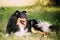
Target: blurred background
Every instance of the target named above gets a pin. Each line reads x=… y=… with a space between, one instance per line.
x=45 y=10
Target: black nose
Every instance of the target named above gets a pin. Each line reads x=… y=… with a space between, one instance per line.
x=54 y=27
x=51 y=28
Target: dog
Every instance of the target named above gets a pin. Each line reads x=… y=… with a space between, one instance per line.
x=17 y=24
x=35 y=25
x=42 y=26
x=20 y=25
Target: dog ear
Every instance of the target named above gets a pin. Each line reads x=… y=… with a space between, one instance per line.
x=24 y=12
x=17 y=12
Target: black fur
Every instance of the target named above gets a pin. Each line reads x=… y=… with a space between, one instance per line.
x=11 y=26
x=54 y=28
x=32 y=23
x=28 y=25
x=23 y=14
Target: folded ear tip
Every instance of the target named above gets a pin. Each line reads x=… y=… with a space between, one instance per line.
x=24 y=11
x=17 y=11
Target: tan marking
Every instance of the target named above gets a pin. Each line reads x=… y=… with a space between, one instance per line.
x=34 y=31
x=43 y=33
x=21 y=21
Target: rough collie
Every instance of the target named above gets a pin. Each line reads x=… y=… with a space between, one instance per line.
x=17 y=24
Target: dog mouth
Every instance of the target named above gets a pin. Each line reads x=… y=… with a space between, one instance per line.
x=21 y=22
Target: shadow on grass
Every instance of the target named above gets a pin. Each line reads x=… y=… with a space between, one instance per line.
x=2 y=9
x=57 y=17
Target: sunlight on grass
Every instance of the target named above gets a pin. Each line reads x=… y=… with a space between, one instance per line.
x=27 y=37
x=44 y=2
x=37 y=12
x=44 y=13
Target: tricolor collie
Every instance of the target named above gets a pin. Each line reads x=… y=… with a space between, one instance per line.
x=43 y=26
x=17 y=24
x=20 y=25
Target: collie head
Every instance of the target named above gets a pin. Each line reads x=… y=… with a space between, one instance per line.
x=22 y=18
x=23 y=14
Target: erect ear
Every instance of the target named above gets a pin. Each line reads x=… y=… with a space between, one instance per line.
x=24 y=12
x=17 y=12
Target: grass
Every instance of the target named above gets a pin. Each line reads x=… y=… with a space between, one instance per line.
x=50 y=14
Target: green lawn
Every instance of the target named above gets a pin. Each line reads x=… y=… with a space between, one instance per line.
x=50 y=14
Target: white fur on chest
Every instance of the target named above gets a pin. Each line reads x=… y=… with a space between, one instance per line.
x=22 y=31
